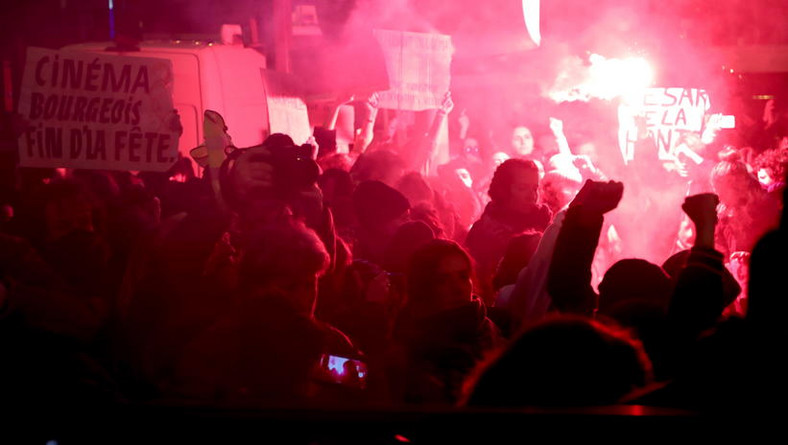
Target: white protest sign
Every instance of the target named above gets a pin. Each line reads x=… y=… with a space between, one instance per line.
x=419 y=68
x=96 y=111
x=668 y=112
x=287 y=111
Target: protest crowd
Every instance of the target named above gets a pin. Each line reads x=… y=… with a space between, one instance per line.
x=429 y=261
x=300 y=275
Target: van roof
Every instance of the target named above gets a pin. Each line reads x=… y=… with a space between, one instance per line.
x=174 y=44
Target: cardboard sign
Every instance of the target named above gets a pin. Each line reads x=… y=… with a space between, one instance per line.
x=96 y=111
x=668 y=113
x=287 y=111
x=419 y=68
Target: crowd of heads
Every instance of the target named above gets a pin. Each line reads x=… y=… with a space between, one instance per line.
x=148 y=286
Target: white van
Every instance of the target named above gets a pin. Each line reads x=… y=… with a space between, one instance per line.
x=208 y=76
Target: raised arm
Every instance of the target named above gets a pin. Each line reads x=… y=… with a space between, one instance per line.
x=698 y=299
x=364 y=137
x=331 y=121
x=557 y=127
x=569 y=278
x=432 y=136
x=431 y=139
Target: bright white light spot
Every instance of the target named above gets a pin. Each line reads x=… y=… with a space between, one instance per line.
x=609 y=78
x=601 y=78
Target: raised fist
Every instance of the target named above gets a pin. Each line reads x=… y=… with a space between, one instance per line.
x=702 y=209
x=373 y=102
x=600 y=197
x=447 y=105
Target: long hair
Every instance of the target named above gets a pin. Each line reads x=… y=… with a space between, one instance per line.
x=424 y=263
x=501 y=184
x=732 y=181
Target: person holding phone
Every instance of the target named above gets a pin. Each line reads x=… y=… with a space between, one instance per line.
x=265 y=348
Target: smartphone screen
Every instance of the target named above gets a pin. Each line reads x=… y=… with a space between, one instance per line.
x=342 y=370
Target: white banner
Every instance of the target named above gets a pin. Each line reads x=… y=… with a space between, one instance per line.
x=668 y=112
x=96 y=111
x=419 y=68
x=287 y=111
